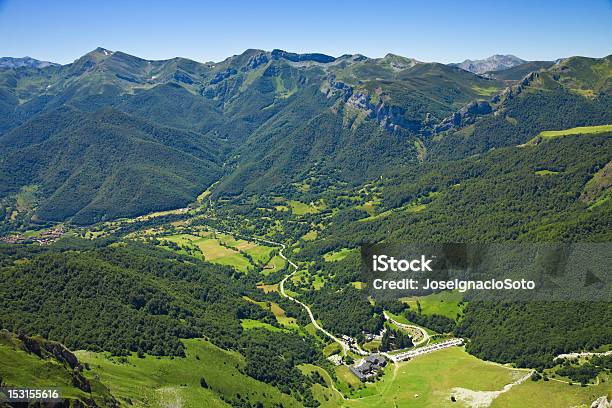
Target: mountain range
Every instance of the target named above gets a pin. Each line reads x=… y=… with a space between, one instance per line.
x=113 y=135
x=29 y=62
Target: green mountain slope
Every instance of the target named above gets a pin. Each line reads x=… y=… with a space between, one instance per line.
x=105 y=164
x=33 y=360
x=272 y=118
x=517 y=73
x=574 y=92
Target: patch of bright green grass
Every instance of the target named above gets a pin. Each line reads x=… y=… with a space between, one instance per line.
x=256 y=324
x=324 y=394
x=581 y=130
x=164 y=382
x=369 y=206
x=428 y=380
x=485 y=91
x=372 y=346
x=310 y=235
x=318 y=282
x=358 y=285
x=331 y=348
x=546 y=172
x=275 y=264
x=338 y=255
x=550 y=394
x=445 y=303
x=21 y=369
x=300 y=208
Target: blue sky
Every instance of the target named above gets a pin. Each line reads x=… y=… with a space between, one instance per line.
x=444 y=31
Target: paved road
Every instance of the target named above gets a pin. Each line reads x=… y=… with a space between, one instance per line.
x=344 y=345
x=425 y=338
x=572 y=356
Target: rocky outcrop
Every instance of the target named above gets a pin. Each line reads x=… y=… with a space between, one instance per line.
x=79 y=380
x=46 y=349
x=332 y=88
x=515 y=90
x=256 y=60
x=220 y=76
x=389 y=117
x=49 y=349
x=465 y=116
x=290 y=56
x=602 y=402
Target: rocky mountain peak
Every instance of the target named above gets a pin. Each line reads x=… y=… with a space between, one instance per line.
x=495 y=62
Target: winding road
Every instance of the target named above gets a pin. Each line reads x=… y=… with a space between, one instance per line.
x=424 y=333
x=344 y=345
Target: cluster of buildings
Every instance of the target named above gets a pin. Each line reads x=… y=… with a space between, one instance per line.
x=44 y=238
x=427 y=349
x=367 y=368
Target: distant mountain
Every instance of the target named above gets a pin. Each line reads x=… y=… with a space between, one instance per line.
x=493 y=63
x=10 y=62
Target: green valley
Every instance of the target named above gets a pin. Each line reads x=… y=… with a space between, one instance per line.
x=184 y=234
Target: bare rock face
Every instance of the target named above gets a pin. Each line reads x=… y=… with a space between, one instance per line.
x=493 y=63
x=515 y=90
x=388 y=116
x=46 y=349
x=602 y=402
x=465 y=116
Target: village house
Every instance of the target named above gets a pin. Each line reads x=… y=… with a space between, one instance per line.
x=369 y=367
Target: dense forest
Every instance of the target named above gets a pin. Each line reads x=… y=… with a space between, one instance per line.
x=531 y=334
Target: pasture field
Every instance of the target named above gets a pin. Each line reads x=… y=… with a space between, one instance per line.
x=248 y=324
x=165 y=381
x=546 y=172
x=275 y=264
x=210 y=246
x=310 y=235
x=429 y=380
x=338 y=255
x=300 y=208
x=445 y=303
x=550 y=394
x=580 y=130
x=326 y=395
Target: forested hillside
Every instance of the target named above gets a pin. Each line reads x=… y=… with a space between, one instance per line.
x=273 y=118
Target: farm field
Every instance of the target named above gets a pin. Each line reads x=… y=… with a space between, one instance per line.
x=300 y=208
x=581 y=130
x=225 y=250
x=551 y=394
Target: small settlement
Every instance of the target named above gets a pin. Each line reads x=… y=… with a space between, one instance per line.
x=367 y=368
